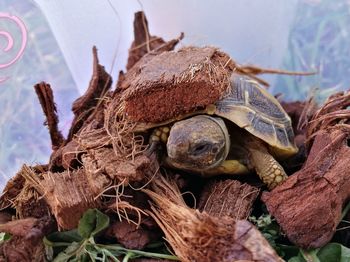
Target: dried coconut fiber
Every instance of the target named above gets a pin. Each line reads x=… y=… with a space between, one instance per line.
x=197 y=236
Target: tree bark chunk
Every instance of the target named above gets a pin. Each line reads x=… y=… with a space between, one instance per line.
x=68 y=195
x=193 y=77
x=143 y=42
x=26 y=242
x=308 y=205
x=130 y=235
x=46 y=99
x=228 y=198
x=85 y=105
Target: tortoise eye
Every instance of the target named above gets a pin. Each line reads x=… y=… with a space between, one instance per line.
x=215 y=149
x=201 y=148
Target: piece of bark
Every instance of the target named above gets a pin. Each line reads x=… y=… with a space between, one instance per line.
x=5 y=217
x=70 y=155
x=174 y=83
x=29 y=203
x=16 y=184
x=103 y=164
x=12 y=189
x=19 y=227
x=300 y=113
x=66 y=157
x=68 y=195
x=197 y=236
x=295 y=110
x=46 y=99
x=228 y=198
x=143 y=42
x=21 y=196
x=144 y=45
x=26 y=242
x=308 y=204
x=130 y=235
x=85 y=105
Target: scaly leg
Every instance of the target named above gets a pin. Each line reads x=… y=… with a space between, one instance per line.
x=266 y=166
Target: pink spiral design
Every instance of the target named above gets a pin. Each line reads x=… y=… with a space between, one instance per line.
x=10 y=41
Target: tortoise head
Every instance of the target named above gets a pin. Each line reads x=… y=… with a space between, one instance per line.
x=198 y=143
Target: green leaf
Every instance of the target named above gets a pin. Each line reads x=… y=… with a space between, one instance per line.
x=68 y=253
x=65 y=236
x=310 y=255
x=334 y=252
x=298 y=258
x=4 y=237
x=92 y=222
x=49 y=253
x=102 y=222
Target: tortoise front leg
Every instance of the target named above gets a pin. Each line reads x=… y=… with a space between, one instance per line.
x=265 y=165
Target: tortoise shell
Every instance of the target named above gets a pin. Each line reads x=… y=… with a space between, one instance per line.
x=251 y=107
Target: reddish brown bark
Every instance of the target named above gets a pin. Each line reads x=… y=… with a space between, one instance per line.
x=308 y=204
x=22 y=197
x=46 y=99
x=87 y=104
x=130 y=235
x=143 y=42
x=174 y=83
x=26 y=241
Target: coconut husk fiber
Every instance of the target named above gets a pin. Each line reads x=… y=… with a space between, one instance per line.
x=228 y=197
x=198 y=236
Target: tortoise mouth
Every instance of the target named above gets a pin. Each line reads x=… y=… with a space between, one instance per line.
x=198 y=144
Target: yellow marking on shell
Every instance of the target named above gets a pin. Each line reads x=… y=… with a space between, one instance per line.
x=158 y=132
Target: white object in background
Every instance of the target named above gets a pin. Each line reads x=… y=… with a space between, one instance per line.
x=252 y=31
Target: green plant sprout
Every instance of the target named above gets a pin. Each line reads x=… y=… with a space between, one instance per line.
x=81 y=245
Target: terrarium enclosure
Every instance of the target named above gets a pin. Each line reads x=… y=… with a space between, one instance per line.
x=174 y=130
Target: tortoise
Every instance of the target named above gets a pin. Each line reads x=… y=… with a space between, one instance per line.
x=245 y=130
